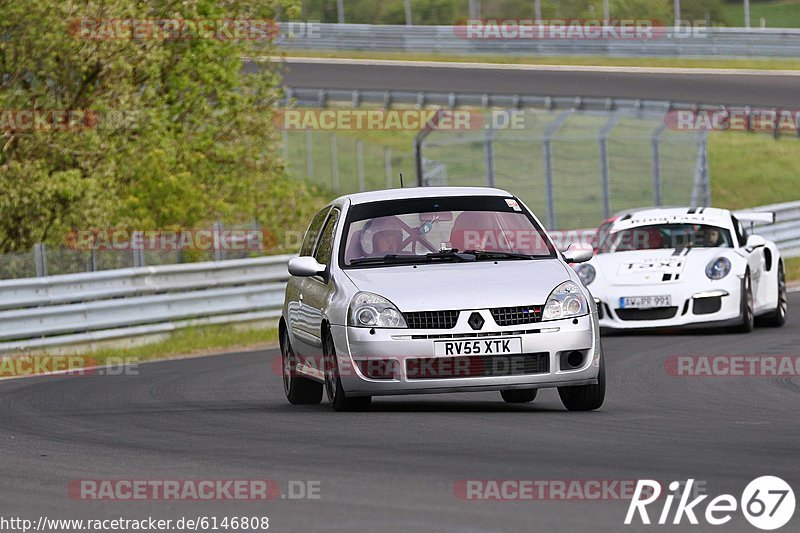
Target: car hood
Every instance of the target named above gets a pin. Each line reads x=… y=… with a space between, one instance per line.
x=647 y=267
x=479 y=285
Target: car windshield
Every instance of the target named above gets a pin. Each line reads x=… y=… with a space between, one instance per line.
x=441 y=230
x=665 y=236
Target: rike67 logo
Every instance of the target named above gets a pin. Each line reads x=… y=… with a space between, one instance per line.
x=767 y=502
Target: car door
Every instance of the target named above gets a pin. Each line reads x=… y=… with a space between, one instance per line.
x=755 y=260
x=298 y=316
x=317 y=289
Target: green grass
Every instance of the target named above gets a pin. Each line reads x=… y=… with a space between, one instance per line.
x=792 y=269
x=199 y=340
x=666 y=62
x=750 y=169
x=778 y=14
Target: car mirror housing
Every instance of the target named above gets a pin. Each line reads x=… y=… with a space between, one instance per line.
x=576 y=253
x=305 y=267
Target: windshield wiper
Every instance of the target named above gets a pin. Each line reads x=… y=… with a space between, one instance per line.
x=403 y=259
x=482 y=254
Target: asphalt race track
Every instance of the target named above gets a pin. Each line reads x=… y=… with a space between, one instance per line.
x=394 y=468
x=703 y=87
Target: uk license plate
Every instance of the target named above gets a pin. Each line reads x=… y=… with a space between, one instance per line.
x=644 y=302
x=455 y=348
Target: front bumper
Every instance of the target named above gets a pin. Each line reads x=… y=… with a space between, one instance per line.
x=550 y=341
x=718 y=305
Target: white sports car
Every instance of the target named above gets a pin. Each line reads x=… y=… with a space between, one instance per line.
x=681 y=267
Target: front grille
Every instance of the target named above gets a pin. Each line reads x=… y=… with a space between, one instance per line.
x=657 y=313
x=432 y=319
x=478 y=366
x=513 y=316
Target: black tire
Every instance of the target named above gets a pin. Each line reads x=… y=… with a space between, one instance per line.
x=299 y=390
x=586 y=397
x=777 y=318
x=746 y=315
x=519 y=395
x=337 y=397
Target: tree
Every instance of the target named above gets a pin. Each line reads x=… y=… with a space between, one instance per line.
x=167 y=133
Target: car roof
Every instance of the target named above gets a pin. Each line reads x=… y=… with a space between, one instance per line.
x=675 y=215
x=421 y=192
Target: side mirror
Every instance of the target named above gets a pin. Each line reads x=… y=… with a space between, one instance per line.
x=305 y=267
x=755 y=241
x=577 y=253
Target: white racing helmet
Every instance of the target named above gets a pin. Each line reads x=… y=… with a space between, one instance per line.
x=377 y=226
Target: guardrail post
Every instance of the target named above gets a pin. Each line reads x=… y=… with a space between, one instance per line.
x=40 y=258
x=387 y=157
x=137 y=246
x=362 y=186
x=658 y=187
x=219 y=248
x=335 y=162
x=309 y=155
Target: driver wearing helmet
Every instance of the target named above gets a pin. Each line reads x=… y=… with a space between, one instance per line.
x=382 y=236
x=713 y=238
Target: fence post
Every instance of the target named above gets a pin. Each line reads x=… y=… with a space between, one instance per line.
x=309 y=155
x=219 y=248
x=335 y=162
x=362 y=186
x=658 y=187
x=40 y=258
x=604 y=173
x=549 y=132
x=387 y=157
x=489 y=152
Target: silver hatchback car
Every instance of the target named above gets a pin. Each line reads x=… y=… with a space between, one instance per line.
x=431 y=290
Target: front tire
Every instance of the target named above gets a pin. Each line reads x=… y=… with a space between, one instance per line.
x=586 y=397
x=777 y=318
x=337 y=397
x=519 y=395
x=299 y=390
x=746 y=307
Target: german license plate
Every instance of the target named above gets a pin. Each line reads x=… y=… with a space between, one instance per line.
x=510 y=345
x=644 y=302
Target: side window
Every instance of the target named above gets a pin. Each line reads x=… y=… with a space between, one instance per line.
x=313 y=232
x=325 y=246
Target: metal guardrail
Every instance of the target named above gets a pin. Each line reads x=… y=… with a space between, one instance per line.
x=81 y=308
x=785 y=232
x=666 y=42
x=40 y=313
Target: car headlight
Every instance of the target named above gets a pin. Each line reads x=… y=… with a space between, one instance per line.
x=368 y=310
x=587 y=273
x=566 y=301
x=718 y=268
